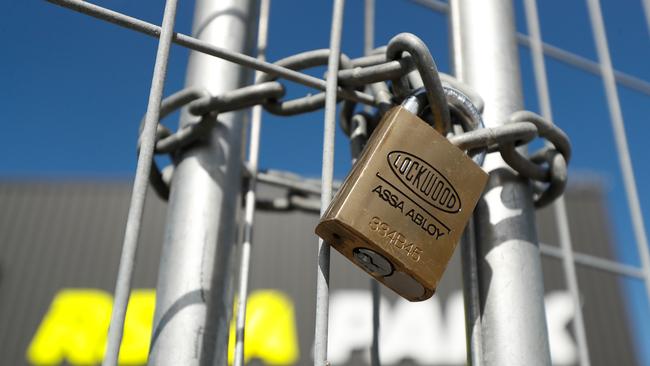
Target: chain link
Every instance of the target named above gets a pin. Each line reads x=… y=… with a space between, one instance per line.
x=389 y=74
x=302 y=61
x=407 y=42
x=174 y=102
x=527 y=167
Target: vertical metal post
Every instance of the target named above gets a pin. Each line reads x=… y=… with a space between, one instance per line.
x=512 y=319
x=323 y=272
x=468 y=251
x=249 y=213
x=622 y=149
x=471 y=295
x=559 y=207
x=141 y=181
x=368 y=26
x=195 y=291
x=368 y=46
x=646 y=10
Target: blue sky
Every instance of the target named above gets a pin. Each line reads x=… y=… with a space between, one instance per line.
x=74 y=90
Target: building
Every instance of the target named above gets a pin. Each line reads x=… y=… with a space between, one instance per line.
x=60 y=244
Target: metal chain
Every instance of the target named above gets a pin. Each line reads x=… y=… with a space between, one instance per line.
x=372 y=71
x=390 y=73
x=302 y=61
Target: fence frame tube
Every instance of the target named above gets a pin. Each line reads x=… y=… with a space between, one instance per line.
x=512 y=319
x=194 y=296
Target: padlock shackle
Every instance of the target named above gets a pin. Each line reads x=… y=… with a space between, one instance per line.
x=417 y=102
x=468 y=117
x=463 y=111
x=408 y=42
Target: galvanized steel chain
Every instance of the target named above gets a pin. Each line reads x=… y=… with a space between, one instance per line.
x=389 y=74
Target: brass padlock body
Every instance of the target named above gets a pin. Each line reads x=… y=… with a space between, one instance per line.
x=408 y=198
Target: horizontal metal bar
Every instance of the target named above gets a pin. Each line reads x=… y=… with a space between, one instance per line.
x=296 y=182
x=292 y=181
x=435 y=5
x=586 y=64
x=591 y=261
x=209 y=49
x=560 y=54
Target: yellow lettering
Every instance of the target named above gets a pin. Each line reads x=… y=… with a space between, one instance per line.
x=270 y=329
x=75 y=327
x=137 y=328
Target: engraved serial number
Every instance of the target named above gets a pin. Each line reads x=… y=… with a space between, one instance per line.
x=395 y=238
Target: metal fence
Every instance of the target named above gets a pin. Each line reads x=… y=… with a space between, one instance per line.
x=473 y=23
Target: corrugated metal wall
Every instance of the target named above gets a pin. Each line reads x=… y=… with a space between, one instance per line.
x=606 y=322
x=56 y=235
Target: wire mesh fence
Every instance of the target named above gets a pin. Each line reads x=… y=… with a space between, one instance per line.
x=334 y=87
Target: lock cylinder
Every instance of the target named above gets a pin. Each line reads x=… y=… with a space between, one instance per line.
x=402 y=209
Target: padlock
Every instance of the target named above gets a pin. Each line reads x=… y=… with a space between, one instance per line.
x=402 y=209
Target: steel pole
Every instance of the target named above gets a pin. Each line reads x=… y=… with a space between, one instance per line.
x=511 y=322
x=195 y=291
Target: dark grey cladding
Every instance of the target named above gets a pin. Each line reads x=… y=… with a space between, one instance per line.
x=56 y=235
